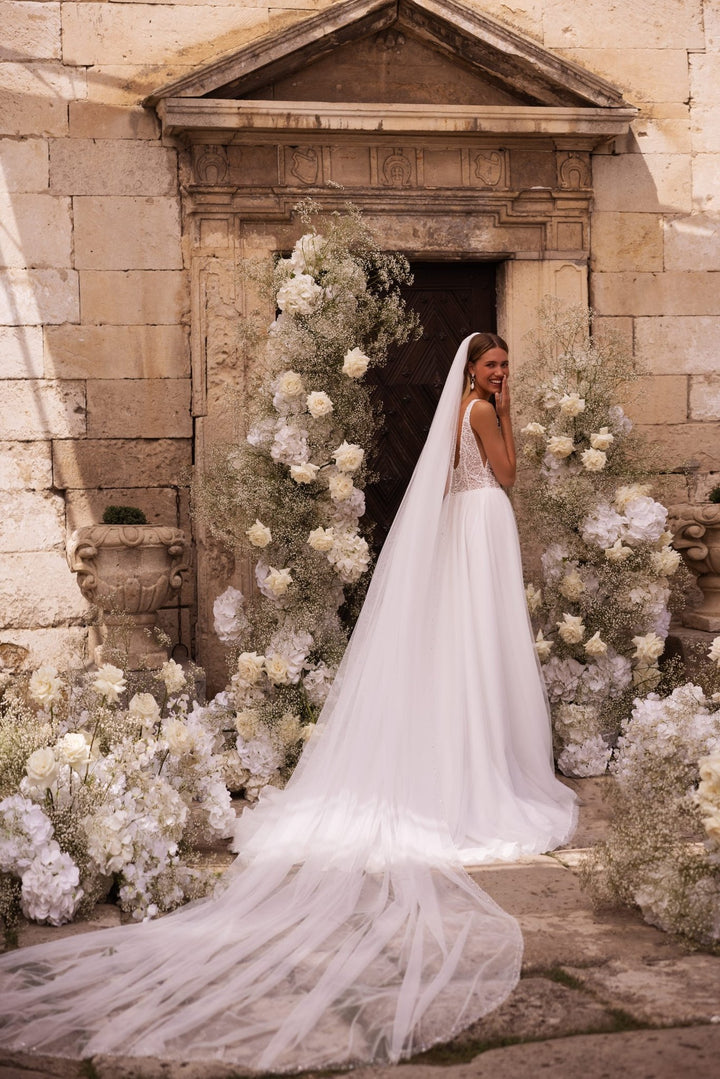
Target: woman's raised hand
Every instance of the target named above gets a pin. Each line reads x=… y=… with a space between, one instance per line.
x=502 y=400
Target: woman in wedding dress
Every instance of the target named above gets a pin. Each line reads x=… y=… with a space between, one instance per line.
x=347 y=930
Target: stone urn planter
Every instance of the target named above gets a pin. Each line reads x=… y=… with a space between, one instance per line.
x=697 y=537
x=128 y=572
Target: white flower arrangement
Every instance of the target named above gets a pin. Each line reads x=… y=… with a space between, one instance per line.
x=291 y=496
x=603 y=613
x=94 y=793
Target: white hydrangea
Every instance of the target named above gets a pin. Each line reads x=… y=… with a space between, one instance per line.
x=644 y=520
x=290 y=445
x=307 y=253
x=349 y=555
x=24 y=829
x=589 y=758
x=50 y=890
x=317 y=682
x=230 y=620
x=602 y=526
x=299 y=295
x=562 y=677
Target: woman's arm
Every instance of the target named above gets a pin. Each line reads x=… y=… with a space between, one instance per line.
x=493 y=427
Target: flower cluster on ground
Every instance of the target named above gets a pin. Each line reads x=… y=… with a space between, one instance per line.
x=662 y=852
x=99 y=796
x=289 y=495
x=600 y=611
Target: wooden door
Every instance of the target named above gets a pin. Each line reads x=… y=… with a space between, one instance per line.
x=452 y=300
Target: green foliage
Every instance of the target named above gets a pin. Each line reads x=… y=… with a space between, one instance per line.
x=124 y=515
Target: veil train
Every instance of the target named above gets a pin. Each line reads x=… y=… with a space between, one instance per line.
x=347 y=930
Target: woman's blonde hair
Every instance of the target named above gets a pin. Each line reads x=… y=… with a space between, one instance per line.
x=481 y=343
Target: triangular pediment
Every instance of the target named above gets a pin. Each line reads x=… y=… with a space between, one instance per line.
x=399 y=52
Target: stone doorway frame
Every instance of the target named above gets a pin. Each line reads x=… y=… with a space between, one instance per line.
x=507 y=183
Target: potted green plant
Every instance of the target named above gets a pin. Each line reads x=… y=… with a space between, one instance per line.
x=128 y=569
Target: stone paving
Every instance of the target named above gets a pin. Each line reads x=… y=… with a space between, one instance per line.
x=602 y=994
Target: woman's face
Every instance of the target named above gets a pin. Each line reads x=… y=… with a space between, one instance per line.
x=489 y=370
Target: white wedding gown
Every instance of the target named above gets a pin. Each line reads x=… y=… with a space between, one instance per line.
x=348 y=930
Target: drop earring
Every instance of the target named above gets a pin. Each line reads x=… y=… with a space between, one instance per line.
x=472 y=381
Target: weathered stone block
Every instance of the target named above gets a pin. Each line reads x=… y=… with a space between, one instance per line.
x=93 y=119
x=31 y=30
x=35 y=409
x=120 y=463
x=21 y=352
x=144 y=297
x=595 y=22
x=642 y=184
x=142 y=33
x=685 y=445
x=117 y=233
x=147 y=408
x=32 y=521
x=705 y=78
x=30 y=297
x=159 y=504
x=692 y=242
x=106 y=166
x=705 y=398
x=678 y=344
x=33 y=98
x=657 y=399
x=116 y=352
x=705 y=122
x=672 y=293
x=705 y=187
x=25 y=466
x=626 y=242
x=656 y=136
x=25 y=165
x=27 y=649
x=37 y=589
x=644 y=75
x=37 y=230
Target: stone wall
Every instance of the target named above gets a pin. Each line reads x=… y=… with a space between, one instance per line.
x=94 y=291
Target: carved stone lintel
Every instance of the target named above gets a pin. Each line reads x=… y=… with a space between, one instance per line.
x=697 y=537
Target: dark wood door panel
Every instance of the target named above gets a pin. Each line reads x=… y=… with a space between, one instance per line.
x=452 y=300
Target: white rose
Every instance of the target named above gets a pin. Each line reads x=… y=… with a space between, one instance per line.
x=246 y=723
x=304 y=473
x=348 y=456
x=534 y=597
x=144 y=708
x=595 y=645
x=602 y=439
x=571 y=404
x=278 y=581
x=572 y=585
x=45 y=686
x=318 y=404
x=109 y=682
x=571 y=628
x=259 y=534
x=41 y=767
x=250 y=666
x=277 y=668
x=543 y=647
x=289 y=384
x=714 y=651
x=665 y=562
x=593 y=460
x=178 y=737
x=536 y=430
x=321 y=539
x=627 y=493
x=560 y=445
x=355 y=363
x=617 y=553
x=172 y=674
x=648 y=648
x=73 y=749
x=341 y=486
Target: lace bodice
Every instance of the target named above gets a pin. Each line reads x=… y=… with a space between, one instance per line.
x=470 y=474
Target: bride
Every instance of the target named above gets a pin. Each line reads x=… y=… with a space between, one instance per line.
x=347 y=929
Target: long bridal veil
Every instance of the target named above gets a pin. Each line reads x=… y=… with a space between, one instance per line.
x=346 y=931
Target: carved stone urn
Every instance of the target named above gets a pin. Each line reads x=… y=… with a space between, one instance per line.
x=128 y=572
x=697 y=537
